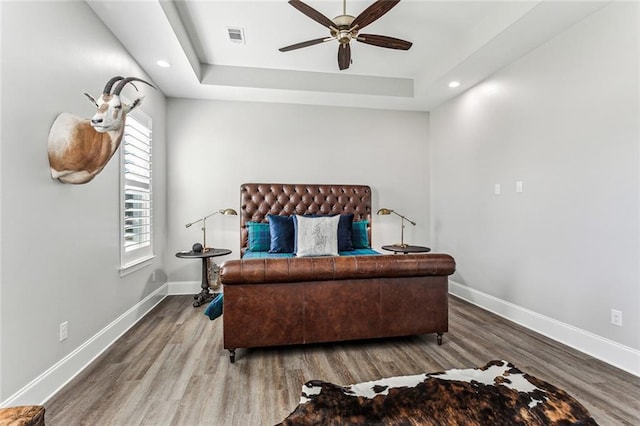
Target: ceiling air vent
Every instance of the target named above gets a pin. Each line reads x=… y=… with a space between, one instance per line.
x=236 y=35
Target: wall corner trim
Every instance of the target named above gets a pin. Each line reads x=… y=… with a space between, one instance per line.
x=43 y=387
x=614 y=353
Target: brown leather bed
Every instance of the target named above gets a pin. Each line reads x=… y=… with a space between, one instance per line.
x=300 y=300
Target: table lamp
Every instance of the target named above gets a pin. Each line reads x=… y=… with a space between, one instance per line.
x=226 y=212
x=384 y=211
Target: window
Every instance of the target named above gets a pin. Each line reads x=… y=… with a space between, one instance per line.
x=136 y=191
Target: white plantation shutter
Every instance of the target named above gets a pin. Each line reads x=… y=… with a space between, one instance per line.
x=136 y=190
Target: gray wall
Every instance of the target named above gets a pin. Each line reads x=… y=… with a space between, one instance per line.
x=564 y=120
x=59 y=248
x=215 y=146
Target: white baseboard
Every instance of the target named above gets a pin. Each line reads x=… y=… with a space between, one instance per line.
x=616 y=354
x=52 y=380
x=184 y=287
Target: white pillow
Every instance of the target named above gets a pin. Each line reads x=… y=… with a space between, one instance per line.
x=317 y=236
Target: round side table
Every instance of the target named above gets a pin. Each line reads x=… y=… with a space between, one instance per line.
x=406 y=249
x=206 y=293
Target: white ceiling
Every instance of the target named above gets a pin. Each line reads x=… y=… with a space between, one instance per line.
x=452 y=40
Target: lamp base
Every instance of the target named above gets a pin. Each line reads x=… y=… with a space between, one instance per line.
x=403 y=245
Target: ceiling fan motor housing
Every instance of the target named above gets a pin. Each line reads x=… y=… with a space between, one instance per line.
x=343 y=24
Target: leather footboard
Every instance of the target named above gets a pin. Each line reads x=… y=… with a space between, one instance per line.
x=331 y=311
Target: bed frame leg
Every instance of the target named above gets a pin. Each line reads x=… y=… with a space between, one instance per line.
x=232 y=355
x=439 y=338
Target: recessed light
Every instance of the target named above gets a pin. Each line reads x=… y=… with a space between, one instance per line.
x=454 y=84
x=162 y=63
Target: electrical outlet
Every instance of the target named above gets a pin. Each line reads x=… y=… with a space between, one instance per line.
x=153 y=276
x=616 y=317
x=64 y=330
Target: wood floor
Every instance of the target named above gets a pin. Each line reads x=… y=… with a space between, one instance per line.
x=171 y=369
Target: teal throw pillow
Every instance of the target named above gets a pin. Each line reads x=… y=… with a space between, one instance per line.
x=215 y=308
x=259 y=238
x=360 y=235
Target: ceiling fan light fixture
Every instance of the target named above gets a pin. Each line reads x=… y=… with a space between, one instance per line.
x=343 y=20
x=344 y=36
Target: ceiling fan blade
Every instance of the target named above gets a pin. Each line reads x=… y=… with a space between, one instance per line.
x=344 y=56
x=312 y=13
x=384 y=41
x=373 y=12
x=305 y=44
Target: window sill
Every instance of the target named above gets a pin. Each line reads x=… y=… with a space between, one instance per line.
x=136 y=265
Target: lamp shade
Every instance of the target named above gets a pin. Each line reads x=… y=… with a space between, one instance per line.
x=384 y=211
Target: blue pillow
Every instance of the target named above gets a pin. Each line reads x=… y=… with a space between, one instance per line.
x=344 y=231
x=345 y=234
x=259 y=236
x=282 y=234
x=359 y=235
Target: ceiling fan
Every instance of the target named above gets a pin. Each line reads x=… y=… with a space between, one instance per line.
x=344 y=28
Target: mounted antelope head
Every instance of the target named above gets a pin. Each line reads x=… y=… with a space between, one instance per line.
x=79 y=148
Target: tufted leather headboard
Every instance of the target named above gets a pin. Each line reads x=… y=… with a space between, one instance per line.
x=259 y=199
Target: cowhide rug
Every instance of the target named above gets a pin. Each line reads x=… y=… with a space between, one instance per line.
x=496 y=394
